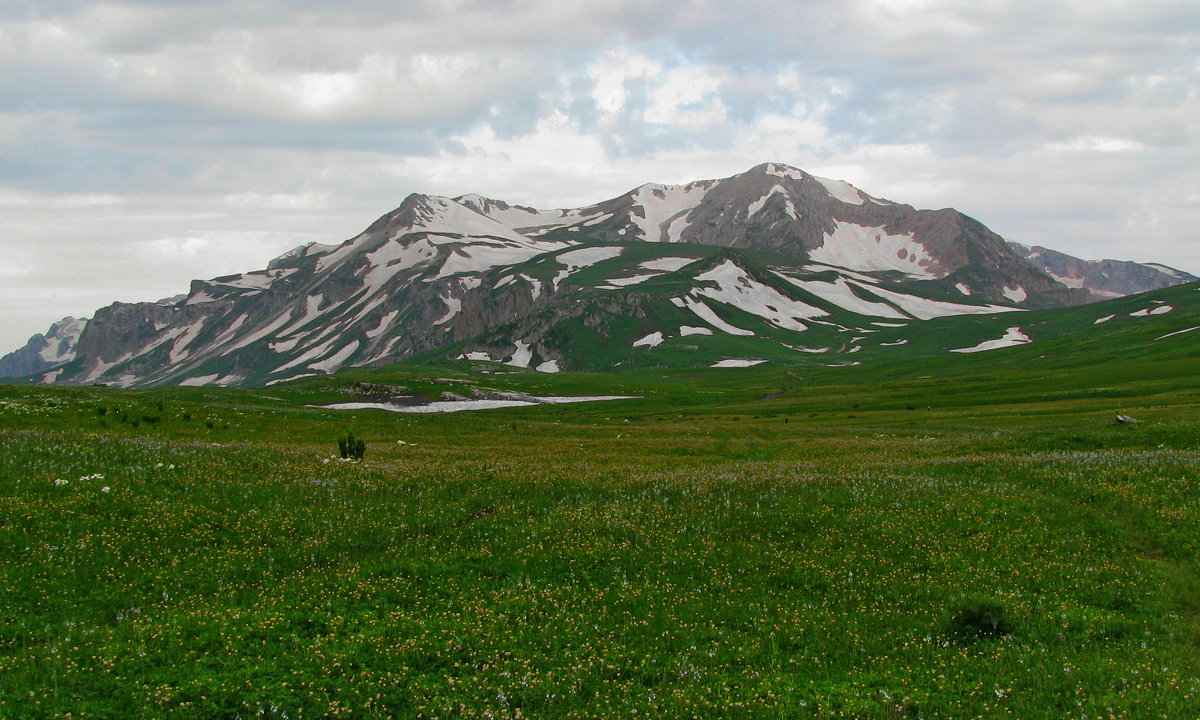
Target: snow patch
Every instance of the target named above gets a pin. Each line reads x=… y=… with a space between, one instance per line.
x=841 y=294
x=926 y=309
x=735 y=363
x=872 y=249
x=664 y=205
x=1016 y=294
x=521 y=356
x=1160 y=310
x=738 y=288
x=962 y=288
x=1104 y=319
x=685 y=330
x=453 y=306
x=706 y=314
x=841 y=190
x=669 y=264
x=634 y=280
x=475 y=355
x=654 y=339
x=336 y=360
x=1013 y=336
x=384 y=322
x=550 y=366
x=759 y=204
x=444 y=406
x=1177 y=332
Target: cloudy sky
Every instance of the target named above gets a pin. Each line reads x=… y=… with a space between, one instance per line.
x=146 y=143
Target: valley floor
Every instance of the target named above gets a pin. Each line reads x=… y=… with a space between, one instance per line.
x=765 y=554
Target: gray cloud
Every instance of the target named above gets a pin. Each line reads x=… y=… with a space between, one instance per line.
x=1068 y=123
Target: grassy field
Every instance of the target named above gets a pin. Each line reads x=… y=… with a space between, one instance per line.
x=950 y=538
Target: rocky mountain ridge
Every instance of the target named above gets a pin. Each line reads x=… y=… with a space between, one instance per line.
x=773 y=247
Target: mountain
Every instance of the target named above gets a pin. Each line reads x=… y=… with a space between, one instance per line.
x=45 y=352
x=1102 y=278
x=770 y=264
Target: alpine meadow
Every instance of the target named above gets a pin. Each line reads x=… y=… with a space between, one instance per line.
x=933 y=535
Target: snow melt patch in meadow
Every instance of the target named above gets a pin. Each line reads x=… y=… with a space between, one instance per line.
x=962 y=288
x=445 y=406
x=737 y=363
x=654 y=339
x=668 y=264
x=1160 y=310
x=627 y=281
x=550 y=366
x=475 y=355
x=1104 y=319
x=685 y=330
x=738 y=288
x=1177 y=332
x=1013 y=336
x=841 y=294
x=872 y=249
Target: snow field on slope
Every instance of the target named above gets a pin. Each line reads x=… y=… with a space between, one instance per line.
x=453 y=306
x=737 y=363
x=676 y=200
x=841 y=294
x=760 y=203
x=394 y=257
x=926 y=309
x=871 y=249
x=841 y=190
x=480 y=256
x=738 y=288
x=336 y=360
x=706 y=314
x=575 y=260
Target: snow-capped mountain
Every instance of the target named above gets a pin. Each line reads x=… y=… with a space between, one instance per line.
x=771 y=252
x=43 y=353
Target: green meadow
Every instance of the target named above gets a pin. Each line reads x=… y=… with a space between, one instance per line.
x=953 y=537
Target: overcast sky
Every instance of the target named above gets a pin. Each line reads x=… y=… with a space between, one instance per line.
x=143 y=144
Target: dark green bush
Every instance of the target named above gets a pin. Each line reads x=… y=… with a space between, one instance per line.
x=352 y=448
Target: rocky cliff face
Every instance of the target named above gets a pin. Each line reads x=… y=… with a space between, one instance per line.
x=1101 y=278
x=439 y=271
x=43 y=353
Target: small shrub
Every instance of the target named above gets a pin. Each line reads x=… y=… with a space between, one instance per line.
x=352 y=448
x=979 y=619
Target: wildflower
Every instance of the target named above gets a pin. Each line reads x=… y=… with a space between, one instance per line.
x=60 y=481
x=105 y=489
